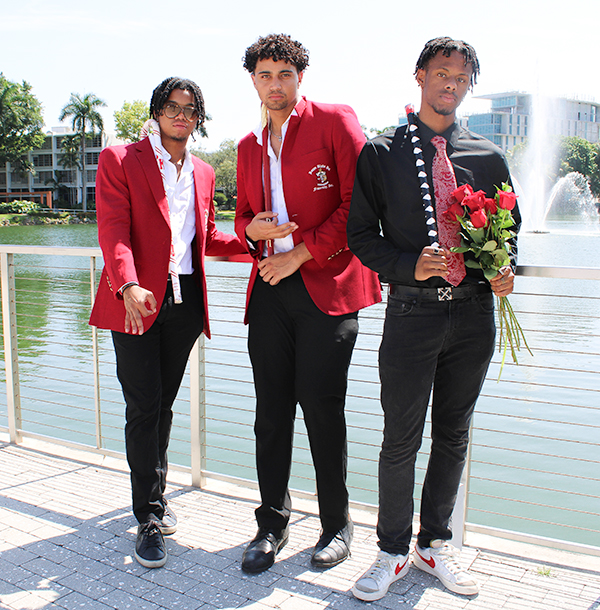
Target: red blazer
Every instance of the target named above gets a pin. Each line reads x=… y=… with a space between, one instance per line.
x=318 y=162
x=135 y=234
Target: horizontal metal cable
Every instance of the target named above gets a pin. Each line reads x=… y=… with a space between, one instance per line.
x=531 y=486
x=537 y=436
x=536 y=504
x=529 y=418
x=522 y=518
x=569 y=475
x=520 y=450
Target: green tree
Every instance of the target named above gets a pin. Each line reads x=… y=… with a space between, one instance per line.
x=579 y=155
x=84 y=115
x=130 y=120
x=224 y=162
x=21 y=123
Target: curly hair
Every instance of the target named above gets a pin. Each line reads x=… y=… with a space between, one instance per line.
x=278 y=47
x=161 y=94
x=446 y=45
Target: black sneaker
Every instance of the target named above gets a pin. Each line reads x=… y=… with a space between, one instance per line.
x=150 y=549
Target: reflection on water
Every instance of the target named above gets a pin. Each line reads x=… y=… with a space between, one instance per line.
x=530 y=398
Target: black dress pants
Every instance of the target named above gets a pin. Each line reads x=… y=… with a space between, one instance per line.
x=150 y=368
x=299 y=355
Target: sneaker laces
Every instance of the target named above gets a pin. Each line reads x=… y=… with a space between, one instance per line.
x=379 y=570
x=152 y=532
x=448 y=557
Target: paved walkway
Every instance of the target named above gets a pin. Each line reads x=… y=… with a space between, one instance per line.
x=67 y=535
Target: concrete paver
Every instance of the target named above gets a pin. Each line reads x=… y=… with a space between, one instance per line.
x=67 y=538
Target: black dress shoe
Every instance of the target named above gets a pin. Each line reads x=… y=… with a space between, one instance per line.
x=260 y=553
x=150 y=549
x=333 y=547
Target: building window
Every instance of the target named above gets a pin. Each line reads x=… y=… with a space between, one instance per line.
x=91 y=158
x=3 y=178
x=42 y=160
x=42 y=177
x=18 y=178
x=93 y=142
x=91 y=175
x=66 y=176
x=47 y=145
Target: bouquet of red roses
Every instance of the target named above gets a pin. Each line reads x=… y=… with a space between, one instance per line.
x=485 y=231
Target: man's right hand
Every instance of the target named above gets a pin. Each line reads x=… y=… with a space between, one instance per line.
x=264 y=227
x=432 y=262
x=139 y=303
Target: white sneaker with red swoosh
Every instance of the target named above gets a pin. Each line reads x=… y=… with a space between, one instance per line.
x=441 y=560
x=376 y=581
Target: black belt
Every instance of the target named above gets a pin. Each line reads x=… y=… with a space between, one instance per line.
x=447 y=293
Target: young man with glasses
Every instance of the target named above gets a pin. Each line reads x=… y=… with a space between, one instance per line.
x=155 y=224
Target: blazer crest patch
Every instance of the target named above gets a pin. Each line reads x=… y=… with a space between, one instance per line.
x=322 y=178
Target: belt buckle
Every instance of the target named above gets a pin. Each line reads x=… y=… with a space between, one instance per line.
x=445 y=294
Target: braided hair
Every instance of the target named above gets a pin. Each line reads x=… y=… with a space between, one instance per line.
x=278 y=47
x=161 y=94
x=446 y=45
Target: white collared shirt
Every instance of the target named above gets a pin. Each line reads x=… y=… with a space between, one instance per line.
x=277 y=197
x=182 y=213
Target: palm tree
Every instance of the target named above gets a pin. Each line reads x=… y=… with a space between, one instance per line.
x=69 y=158
x=82 y=110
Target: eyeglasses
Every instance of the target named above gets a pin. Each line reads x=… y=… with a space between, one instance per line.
x=172 y=110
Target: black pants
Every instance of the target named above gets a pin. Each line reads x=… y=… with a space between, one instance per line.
x=299 y=355
x=446 y=346
x=150 y=368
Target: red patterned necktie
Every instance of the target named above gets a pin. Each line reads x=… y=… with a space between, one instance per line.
x=444 y=182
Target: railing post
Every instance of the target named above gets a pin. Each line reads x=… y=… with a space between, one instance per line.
x=11 y=347
x=459 y=514
x=96 y=366
x=198 y=412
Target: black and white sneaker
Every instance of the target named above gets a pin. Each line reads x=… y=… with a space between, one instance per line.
x=150 y=549
x=168 y=524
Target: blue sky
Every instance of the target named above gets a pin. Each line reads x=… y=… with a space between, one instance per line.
x=362 y=52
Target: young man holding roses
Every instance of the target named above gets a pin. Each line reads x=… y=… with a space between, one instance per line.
x=439 y=330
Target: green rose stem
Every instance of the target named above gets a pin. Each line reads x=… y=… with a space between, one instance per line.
x=485 y=233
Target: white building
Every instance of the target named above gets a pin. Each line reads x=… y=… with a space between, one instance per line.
x=512 y=114
x=46 y=162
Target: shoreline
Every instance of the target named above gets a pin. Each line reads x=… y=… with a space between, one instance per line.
x=74 y=217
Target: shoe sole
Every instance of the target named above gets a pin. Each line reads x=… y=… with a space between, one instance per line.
x=325 y=565
x=247 y=571
x=158 y=563
x=451 y=586
x=364 y=596
x=166 y=530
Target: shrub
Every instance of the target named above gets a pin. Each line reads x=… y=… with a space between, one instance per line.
x=20 y=207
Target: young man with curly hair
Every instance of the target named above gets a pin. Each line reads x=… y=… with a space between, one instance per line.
x=155 y=224
x=439 y=327
x=295 y=177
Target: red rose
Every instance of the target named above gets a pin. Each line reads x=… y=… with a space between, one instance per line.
x=506 y=200
x=461 y=192
x=490 y=205
x=453 y=211
x=476 y=201
x=479 y=218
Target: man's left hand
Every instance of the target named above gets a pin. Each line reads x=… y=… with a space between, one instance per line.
x=274 y=268
x=504 y=283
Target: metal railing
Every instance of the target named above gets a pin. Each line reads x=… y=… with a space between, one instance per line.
x=533 y=467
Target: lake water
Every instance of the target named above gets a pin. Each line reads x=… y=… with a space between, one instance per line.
x=551 y=400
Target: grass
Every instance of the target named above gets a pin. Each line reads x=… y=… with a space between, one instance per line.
x=544 y=571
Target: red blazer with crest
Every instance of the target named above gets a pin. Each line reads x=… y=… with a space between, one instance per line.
x=318 y=162
x=135 y=234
